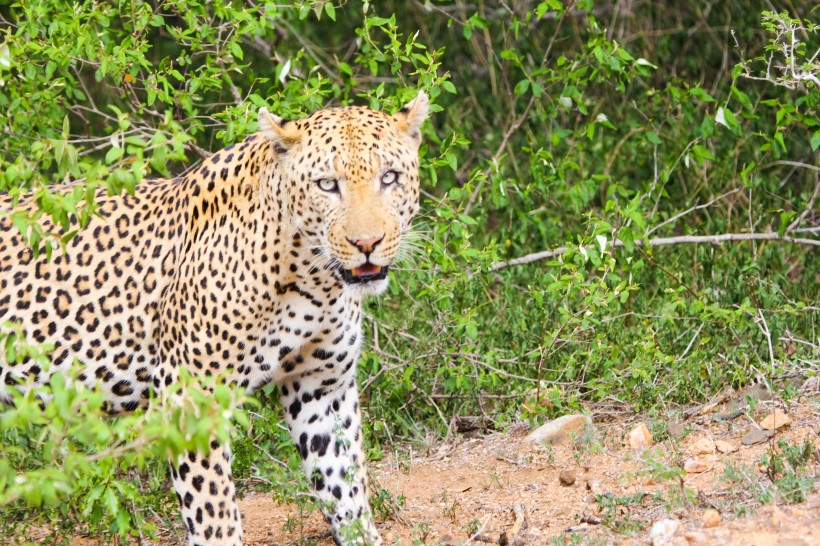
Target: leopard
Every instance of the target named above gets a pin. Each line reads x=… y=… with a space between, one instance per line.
x=252 y=267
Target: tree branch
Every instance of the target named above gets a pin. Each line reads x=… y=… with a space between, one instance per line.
x=807 y=210
x=661 y=241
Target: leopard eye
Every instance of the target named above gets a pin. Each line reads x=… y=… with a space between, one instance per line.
x=389 y=178
x=328 y=184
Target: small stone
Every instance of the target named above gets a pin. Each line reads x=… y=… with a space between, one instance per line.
x=696 y=466
x=676 y=430
x=756 y=436
x=559 y=429
x=702 y=446
x=595 y=488
x=725 y=447
x=710 y=518
x=695 y=537
x=566 y=478
x=775 y=420
x=758 y=392
x=662 y=531
x=639 y=437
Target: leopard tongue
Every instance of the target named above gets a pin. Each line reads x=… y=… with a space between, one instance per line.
x=366 y=269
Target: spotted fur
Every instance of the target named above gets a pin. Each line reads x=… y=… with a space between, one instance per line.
x=252 y=266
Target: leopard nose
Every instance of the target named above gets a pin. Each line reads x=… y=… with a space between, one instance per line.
x=366 y=245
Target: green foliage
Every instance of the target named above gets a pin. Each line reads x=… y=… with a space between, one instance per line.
x=69 y=460
x=555 y=125
x=786 y=473
x=789 y=468
x=385 y=505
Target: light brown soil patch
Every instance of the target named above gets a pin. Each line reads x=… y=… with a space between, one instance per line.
x=475 y=483
x=467 y=492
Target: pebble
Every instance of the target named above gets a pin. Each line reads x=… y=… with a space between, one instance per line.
x=662 y=531
x=776 y=420
x=676 y=430
x=703 y=445
x=566 y=478
x=639 y=437
x=710 y=518
x=756 y=436
x=696 y=466
x=695 y=537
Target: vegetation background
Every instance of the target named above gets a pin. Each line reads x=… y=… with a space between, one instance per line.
x=666 y=153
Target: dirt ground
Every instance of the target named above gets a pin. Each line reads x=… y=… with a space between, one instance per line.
x=503 y=489
x=593 y=487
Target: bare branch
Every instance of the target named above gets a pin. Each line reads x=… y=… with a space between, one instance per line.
x=808 y=209
x=794 y=164
x=661 y=241
x=690 y=210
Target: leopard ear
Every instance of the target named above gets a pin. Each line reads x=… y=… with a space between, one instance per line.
x=413 y=114
x=282 y=134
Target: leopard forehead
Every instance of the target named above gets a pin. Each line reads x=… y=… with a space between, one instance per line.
x=352 y=134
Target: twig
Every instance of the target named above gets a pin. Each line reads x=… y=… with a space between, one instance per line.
x=478 y=533
x=793 y=164
x=691 y=342
x=661 y=241
x=764 y=329
x=806 y=212
x=514 y=126
x=690 y=210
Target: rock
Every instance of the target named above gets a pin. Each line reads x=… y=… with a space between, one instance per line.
x=566 y=478
x=695 y=537
x=725 y=447
x=595 y=488
x=696 y=466
x=559 y=429
x=662 y=531
x=759 y=392
x=676 y=430
x=710 y=518
x=639 y=437
x=776 y=420
x=756 y=436
x=703 y=445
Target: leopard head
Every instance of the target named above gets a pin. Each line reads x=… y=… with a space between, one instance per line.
x=351 y=184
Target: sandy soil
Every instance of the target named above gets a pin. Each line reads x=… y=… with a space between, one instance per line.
x=503 y=489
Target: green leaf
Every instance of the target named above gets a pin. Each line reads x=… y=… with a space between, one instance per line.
x=778 y=137
x=330 y=10
x=521 y=87
x=114 y=153
x=699 y=93
x=785 y=220
x=742 y=98
x=236 y=49
x=815 y=141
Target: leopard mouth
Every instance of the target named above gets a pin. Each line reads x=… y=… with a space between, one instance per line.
x=365 y=273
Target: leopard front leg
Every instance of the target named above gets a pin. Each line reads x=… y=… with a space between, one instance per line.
x=207 y=497
x=204 y=485
x=322 y=412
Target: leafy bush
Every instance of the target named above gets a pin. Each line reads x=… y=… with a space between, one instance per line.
x=583 y=165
